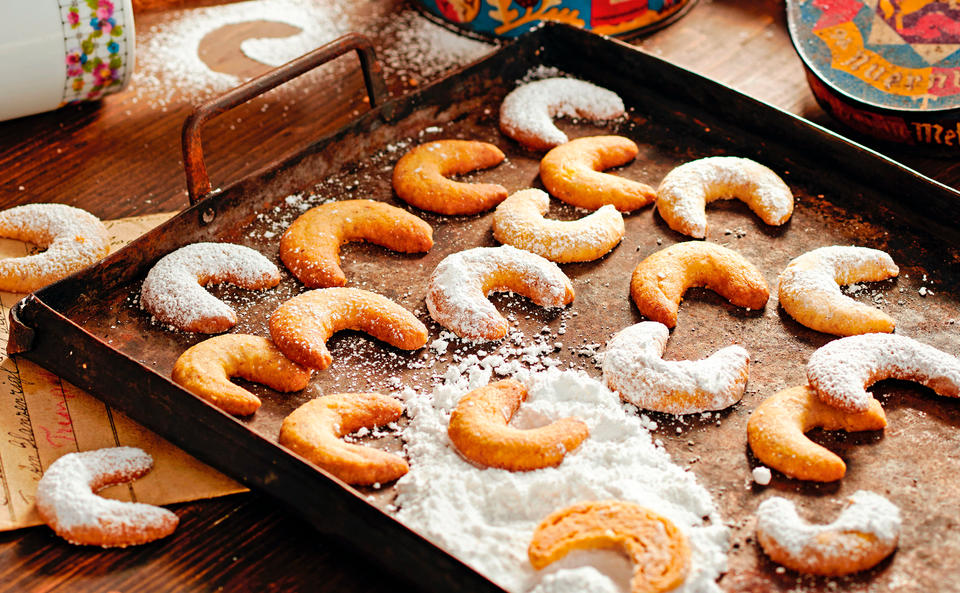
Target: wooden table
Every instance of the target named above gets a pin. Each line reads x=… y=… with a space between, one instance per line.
x=121 y=157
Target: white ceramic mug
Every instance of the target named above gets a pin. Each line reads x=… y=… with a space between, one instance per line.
x=56 y=52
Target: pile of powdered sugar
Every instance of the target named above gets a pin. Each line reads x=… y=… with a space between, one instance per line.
x=487 y=516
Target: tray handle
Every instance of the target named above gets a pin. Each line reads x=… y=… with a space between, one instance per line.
x=198 y=182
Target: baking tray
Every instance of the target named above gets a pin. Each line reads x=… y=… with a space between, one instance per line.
x=88 y=328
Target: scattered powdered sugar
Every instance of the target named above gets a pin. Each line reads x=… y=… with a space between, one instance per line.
x=868 y=513
x=169 y=62
x=761 y=475
x=456 y=296
x=487 y=516
x=527 y=112
x=841 y=370
x=172 y=290
x=632 y=365
x=519 y=221
x=685 y=190
x=66 y=499
x=425 y=49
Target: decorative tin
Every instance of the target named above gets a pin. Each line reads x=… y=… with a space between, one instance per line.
x=510 y=18
x=886 y=68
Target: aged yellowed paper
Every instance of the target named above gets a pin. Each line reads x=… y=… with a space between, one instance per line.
x=43 y=417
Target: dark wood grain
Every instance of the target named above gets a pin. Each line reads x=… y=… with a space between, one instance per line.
x=120 y=158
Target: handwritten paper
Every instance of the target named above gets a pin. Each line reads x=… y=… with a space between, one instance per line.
x=43 y=417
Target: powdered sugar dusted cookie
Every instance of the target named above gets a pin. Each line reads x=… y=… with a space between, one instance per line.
x=810 y=289
x=67 y=503
x=866 y=532
x=685 y=191
x=527 y=112
x=633 y=367
x=173 y=290
x=73 y=239
x=841 y=371
x=457 y=293
x=519 y=221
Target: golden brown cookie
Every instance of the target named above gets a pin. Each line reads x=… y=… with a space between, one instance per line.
x=457 y=294
x=841 y=371
x=658 y=550
x=572 y=173
x=866 y=532
x=73 y=239
x=301 y=326
x=519 y=221
x=685 y=191
x=314 y=430
x=421 y=177
x=480 y=431
x=67 y=503
x=660 y=280
x=206 y=368
x=775 y=432
x=810 y=289
x=310 y=247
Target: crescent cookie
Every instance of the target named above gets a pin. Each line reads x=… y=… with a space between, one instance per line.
x=633 y=366
x=457 y=292
x=866 y=532
x=810 y=289
x=841 y=371
x=685 y=191
x=73 y=239
x=527 y=112
x=572 y=173
x=660 y=280
x=519 y=221
x=206 y=368
x=310 y=247
x=67 y=503
x=173 y=290
x=658 y=550
x=421 y=177
x=480 y=432
x=301 y=326
x=775 y=432
x=314 y=429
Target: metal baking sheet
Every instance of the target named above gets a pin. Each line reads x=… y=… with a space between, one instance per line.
x=845 y=194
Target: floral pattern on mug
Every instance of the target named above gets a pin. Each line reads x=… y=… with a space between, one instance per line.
x=95 y=49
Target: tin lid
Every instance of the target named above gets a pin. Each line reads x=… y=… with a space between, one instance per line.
x=888 y=55
x=511 y=18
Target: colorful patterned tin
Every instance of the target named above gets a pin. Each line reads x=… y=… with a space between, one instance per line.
x=510 y=18
x=886 y=68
